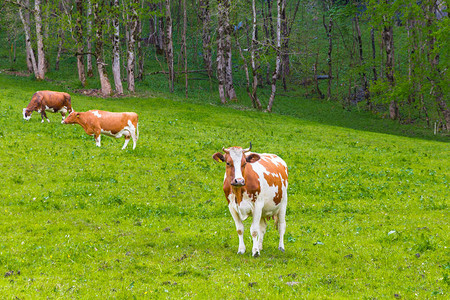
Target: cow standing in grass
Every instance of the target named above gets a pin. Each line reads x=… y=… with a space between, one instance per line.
x=255 y=184
x=43 y=101
x=96 y=122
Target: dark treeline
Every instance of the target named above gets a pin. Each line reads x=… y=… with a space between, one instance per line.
x=388 y=56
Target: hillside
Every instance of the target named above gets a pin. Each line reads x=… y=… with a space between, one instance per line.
x=367 y=209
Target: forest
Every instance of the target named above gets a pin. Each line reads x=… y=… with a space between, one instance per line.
x=387 y=57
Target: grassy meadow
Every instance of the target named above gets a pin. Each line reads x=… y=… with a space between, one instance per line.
x=368 y=211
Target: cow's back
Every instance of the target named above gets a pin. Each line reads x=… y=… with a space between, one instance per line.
x=53 y=99
x=112 y=121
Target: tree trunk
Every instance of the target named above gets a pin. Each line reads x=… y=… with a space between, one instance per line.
x=205 y=17
x=254 y=59
x=374 y=68
x=361 y=61
x=79 y=41
x=221 y=61
x=139 y=50
x=281 y=6
x=131 y=55
x=184 y=46
x=30 y=52
x=116 y=50
x=99 y=22
x=328 y=30
x=40 y=41
x=229 y=87
x=169 y=47
x=388 y=39
x=90 y=71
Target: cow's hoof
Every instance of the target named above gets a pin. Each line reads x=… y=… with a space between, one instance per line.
x=256 y=254
x=281 y=249
x=241 y=252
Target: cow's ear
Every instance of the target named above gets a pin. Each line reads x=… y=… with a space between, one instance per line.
x=252 y=158
x=218 y=157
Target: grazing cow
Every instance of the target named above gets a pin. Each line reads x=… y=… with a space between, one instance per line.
x=255 y=184
x=43 y=101
x=95 y=122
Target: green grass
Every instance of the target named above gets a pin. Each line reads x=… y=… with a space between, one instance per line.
x=367 y=211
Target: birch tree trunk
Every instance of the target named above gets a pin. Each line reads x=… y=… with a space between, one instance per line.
x=139 y=50
x=131 y=55
x=116 y=49
x=90 y=71
x=221 y=50
x=79 y=41
x=229 y=88
x=99 y=22
x=205 y=17
x=40 y=41
x=254 y=59
x=281 y=6
x=31 y=58
x=169 y=46
x=25 y=18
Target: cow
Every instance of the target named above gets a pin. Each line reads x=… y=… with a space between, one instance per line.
x=255 y=184
x=96 y=122
x=43 y=101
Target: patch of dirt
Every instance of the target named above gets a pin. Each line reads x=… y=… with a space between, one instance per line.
x=16 y=73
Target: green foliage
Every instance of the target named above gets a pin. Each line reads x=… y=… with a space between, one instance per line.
x=367 y=212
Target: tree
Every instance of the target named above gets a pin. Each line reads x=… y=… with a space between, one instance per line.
x=281 y=6
x=116 y=47
x=79 y=42
x=99 y=20
x=205 y=17
x=40 y=41
x=169 y=47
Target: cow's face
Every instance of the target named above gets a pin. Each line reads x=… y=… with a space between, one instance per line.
x=26 y=114
x=72 y=118
x=236 y=161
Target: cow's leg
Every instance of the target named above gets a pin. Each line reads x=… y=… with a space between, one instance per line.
x=255 y=230
x=281 y=221
x=127 y=139
x=262 y=229
x=134 y=137
x=44 y=115
x=63 y=114
x=239 y=229
x=97 y=138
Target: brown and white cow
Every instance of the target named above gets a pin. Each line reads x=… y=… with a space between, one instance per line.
x=96 y=122
x=255 y=184
x=43 y=101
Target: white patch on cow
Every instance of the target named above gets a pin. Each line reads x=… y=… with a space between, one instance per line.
x=127 y=131
x=245 y=208
x=39 y=110
x=97 y=114
x=236 y=156
x=24 y=114
x=63 y=110
x=51 y=109
x=97 y=141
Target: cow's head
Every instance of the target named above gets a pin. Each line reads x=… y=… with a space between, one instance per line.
x=236 y=160
x=26 y=114
x=72 y=118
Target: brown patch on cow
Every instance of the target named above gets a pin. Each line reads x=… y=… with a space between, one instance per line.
x=239 y=232
x=254 y=234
